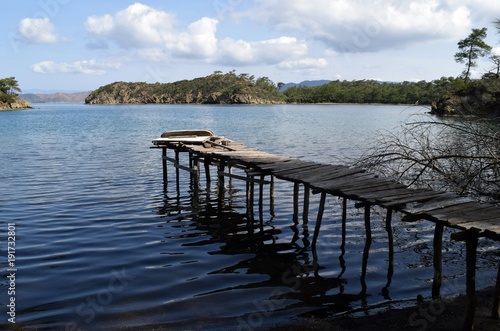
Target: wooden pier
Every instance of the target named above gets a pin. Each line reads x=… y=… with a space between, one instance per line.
x=472 y=219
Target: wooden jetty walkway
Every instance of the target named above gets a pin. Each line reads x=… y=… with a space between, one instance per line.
x=472 y=219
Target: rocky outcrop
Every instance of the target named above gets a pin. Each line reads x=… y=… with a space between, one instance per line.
x=478 y=100
x=14 y=103
x=213 y=89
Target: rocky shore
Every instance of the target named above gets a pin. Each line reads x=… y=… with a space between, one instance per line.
x=14 y=104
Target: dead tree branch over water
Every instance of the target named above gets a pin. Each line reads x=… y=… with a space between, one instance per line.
x=454 y=154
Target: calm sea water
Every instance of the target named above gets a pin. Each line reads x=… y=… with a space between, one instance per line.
x=100 y=245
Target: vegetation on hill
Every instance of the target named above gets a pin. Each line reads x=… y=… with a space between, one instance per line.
x=217 y=88
x=8 y=97
x=371 y=91
x=459 y=154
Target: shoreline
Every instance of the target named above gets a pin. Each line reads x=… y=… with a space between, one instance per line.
x=443 y=314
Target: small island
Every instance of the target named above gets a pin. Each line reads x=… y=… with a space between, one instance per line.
x=217 y=88
x=8 y=97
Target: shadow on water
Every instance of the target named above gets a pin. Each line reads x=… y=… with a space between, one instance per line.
x=289 y=262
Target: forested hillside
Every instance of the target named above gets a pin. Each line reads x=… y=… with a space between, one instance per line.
x=217 y=88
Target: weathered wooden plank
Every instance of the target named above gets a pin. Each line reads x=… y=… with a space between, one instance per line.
x=283 y=166
x=488 y=228
x=454 y=219
x=452 y=209
x=278 y=164
x=340 y=177
x=368 y=192
x=289 y=172
x=320 y=175
x=369 y=183
x=310 y=172
x=291 y=165
x=424 y=195
x=445 y=200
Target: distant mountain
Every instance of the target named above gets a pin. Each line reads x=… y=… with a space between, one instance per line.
x=55 y=97
x=308 y=83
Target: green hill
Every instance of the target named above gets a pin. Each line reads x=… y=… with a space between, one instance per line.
x=217 y=88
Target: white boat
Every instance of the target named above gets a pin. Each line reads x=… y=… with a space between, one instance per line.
x=184 y=136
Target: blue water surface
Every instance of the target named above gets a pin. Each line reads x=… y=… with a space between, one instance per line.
x=102 y=244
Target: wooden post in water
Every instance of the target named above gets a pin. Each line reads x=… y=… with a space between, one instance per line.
x=390 y=239
x=250 y=195
x=344 y=230
x=471 y=240
x=261 y=198
x=271 y=196
x=164 y=163
x=496 y=304
x=220 y=183
x=196 y=179
x=471 y=243
x=177 y=180
x=438 y=260
x=207 y=171
x=366 y=250
x=305 y=213
x=318 y=223
x=296 y=202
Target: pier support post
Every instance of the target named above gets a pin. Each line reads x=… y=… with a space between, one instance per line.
x=177 y=180
x=164 y=164
x=366 y=250
x=271 y=196
x=496 y=304
x=438 y=260
x=390 y=239
x=261 y=198
x=319 y=219
x=207 y=171
x=344 y=230
x=196 y=178
x=220 y=183
x=471 y=243
x=471 y=239
x=296 y=202
x=305 y=213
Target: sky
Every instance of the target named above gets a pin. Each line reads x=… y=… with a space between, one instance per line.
x=77 y=45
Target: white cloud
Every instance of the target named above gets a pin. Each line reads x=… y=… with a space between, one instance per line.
x=198 y=41
x=142 y=27
x=307 y=63
x=88 y=67
x=37 y=30
x=136 y=26
x=366 y=26
x=270 y=51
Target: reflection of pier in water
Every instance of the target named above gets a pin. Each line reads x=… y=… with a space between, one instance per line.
x=235 y=161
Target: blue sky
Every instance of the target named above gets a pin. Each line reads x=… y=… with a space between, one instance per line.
x=76 y=45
